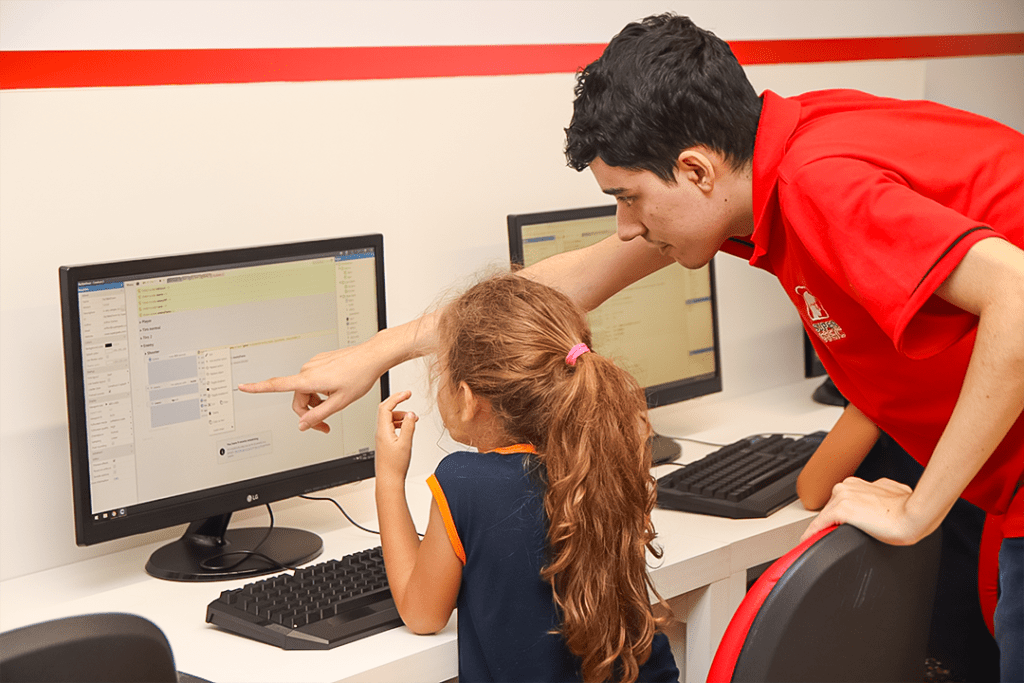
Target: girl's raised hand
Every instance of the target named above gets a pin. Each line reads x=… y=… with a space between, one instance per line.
x=394 y=438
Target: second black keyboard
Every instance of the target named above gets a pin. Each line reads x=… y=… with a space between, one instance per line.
x=753 y=477
x=316 y=608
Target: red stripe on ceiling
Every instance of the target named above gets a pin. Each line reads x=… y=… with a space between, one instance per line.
x=106 y=68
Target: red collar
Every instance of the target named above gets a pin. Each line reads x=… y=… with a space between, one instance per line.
x=779 y=118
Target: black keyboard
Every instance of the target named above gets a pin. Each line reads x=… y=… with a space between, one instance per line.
x=316 y=608
x=753 y=477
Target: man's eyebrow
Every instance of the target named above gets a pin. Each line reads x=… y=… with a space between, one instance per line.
x=615 y=191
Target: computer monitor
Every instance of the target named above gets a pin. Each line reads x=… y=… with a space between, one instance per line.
x=663 y=329
x=160 y=435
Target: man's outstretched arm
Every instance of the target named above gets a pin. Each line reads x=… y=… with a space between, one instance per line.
x=332 y=380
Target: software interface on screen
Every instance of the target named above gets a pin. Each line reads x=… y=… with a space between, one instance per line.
x=163 y=356
x=668 y=310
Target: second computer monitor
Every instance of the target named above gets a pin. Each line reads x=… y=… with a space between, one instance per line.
x=663 y=329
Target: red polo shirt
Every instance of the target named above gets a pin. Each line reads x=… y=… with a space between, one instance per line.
x=863 y=206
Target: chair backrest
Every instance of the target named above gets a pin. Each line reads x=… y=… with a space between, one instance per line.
x=841 y=606
x=92 y=647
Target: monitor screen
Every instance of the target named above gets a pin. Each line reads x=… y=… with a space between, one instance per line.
x=160 y=435
x=663 y=329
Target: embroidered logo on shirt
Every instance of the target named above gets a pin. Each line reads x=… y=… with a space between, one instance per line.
x=815 y=311
x=827 y=330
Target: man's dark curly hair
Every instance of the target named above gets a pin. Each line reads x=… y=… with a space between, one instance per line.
x=661 y=86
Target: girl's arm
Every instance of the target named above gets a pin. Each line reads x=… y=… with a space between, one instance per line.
x=424 y=576
x=837 y=458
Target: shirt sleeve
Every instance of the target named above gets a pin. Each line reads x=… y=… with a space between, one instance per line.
x=888 y=246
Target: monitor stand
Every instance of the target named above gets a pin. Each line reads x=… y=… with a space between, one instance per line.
x=828 y=394
x=209 y=551
x=664 y=449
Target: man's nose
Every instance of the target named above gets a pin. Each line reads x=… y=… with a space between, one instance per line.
x=628 y=227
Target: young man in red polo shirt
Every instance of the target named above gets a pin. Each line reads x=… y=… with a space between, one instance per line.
x=896 y=228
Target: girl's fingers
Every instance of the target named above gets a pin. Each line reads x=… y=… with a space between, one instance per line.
x=387 y=418
x=394 y=399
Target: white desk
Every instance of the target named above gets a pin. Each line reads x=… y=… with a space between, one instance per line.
x=703 y=571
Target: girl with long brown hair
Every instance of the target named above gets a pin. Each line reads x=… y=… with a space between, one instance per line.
x=539 y=536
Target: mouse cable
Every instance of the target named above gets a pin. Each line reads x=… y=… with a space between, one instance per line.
x=208 y=563
x=347 y=516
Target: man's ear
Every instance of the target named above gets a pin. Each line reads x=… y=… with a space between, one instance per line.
x=697 y=165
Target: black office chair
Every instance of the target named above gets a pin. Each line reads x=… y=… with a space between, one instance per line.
x=107 y=648
x=839 y=607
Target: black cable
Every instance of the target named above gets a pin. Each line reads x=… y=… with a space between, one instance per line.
x=246 y=554
x=349 y=518
x=338 y=505
x=700 y=441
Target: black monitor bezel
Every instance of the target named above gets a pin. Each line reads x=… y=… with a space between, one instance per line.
x=229 y=498
x=659 y=394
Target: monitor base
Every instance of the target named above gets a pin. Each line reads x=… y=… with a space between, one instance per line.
x=829 y=395
x=664 y=449
x=224 y=554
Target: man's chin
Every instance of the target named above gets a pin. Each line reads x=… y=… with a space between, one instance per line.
x=689 y=262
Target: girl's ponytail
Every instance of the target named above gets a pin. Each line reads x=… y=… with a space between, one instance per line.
x=599 y=499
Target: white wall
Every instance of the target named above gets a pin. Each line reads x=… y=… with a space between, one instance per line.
x=433 y=164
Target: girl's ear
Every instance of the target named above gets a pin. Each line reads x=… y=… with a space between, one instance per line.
x=469 y=403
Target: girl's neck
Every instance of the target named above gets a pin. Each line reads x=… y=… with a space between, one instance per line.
x=491 y=444
x=494 y=441
x=475 y=424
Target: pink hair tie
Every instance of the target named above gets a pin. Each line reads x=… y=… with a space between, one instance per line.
x=575 y=352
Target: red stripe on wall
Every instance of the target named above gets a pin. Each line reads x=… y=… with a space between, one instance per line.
x=859 y=49
x=92 y=68
x=105 y=68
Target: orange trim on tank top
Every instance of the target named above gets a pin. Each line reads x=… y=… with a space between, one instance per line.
x=446 y=515
x=518 y=448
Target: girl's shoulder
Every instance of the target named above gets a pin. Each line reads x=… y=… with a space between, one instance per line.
x=472 y=462
x=460 y=460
